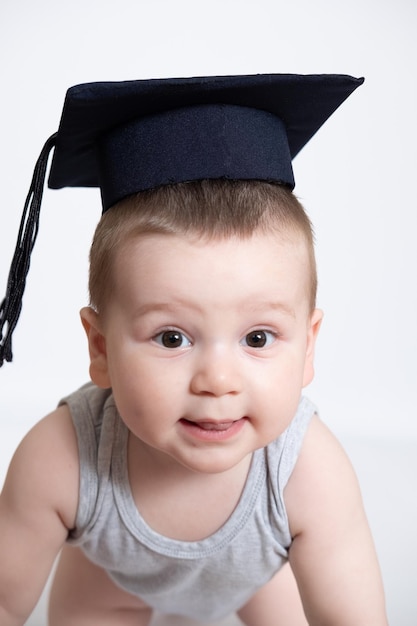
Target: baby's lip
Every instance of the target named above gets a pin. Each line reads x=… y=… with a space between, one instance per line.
x=212 y=430
x=212 y=424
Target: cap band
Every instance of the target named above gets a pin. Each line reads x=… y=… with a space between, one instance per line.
x=193 y=143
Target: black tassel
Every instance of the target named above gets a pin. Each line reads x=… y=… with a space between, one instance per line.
x=11 y=306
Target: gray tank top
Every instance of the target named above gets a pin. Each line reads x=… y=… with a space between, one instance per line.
x=204 y=580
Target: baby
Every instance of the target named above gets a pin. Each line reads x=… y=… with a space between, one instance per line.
x=191 y=476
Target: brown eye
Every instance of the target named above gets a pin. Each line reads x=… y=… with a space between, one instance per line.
x=258 y=339
x=172 y=339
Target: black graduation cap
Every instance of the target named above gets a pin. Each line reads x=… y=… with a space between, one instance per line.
x=131 y=136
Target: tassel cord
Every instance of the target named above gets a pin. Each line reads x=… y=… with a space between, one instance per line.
x=11 y=305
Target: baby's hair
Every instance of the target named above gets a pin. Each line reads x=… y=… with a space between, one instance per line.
x=208 y=209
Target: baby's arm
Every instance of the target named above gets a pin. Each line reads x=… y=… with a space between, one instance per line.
x=37 y=507
x=332 y=555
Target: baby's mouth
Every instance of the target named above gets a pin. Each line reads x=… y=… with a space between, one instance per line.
x=212 y=425
x=211 y=430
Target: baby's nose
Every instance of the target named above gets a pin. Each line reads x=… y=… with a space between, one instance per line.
x=217 y=373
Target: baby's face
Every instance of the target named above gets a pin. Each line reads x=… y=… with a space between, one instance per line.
x=208 y=344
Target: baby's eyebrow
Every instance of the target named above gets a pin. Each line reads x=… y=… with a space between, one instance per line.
x=252 y=306
x=255 y=306
x=169 y=306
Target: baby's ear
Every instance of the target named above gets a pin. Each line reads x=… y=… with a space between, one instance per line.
x=97 y=347
x=315 y=320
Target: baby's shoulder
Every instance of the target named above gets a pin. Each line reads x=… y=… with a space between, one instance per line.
x=323 y=480
x=44 y=470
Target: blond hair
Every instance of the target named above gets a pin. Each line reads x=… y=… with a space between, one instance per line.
x=211 y=209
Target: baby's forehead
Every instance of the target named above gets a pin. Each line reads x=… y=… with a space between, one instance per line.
x=288 y=246
x=221 y=272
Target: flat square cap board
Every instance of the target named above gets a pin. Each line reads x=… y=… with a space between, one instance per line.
x=126 y=137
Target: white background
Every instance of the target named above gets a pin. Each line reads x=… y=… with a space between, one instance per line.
x=356 y=178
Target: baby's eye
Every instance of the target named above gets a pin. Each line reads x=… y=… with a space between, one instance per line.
x=172 y=339
x=258 y=339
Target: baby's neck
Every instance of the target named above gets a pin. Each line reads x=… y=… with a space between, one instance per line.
x=178 y=502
